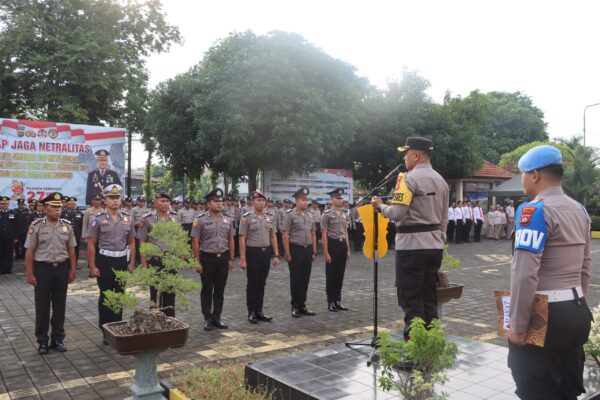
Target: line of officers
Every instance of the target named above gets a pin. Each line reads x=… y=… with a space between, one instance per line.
x=114 y=233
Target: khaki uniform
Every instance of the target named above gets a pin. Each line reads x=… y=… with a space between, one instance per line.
x=145 y=228
x=137 y=213
x=90 y=212
x=562 y=263
x=257 y=230
x=421 y=216
x=213 y=235
x=300 y=227
x=50 y=243
x=112 y=238
x=336 y=223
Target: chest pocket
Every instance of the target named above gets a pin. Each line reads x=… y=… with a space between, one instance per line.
x=44 y=236
x=224 y=227
x=105 y=228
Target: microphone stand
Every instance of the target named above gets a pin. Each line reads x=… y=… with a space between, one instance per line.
x=374 y=356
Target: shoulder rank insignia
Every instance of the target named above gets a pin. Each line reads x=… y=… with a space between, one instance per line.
x=327 y=211
x=146 y=215
x=246 y=214
x=99 y=213
x=201 y=215
x=290 y=210
x=65 y=221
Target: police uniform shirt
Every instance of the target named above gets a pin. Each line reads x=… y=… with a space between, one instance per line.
x=98 y=180
x=429 y=193
x=300 y=226
x=257 y=229
x=213 y=233
x=137 y=213
x=316 y=212
x=336 y=223
x=145 y=228
x=50 y=241
x=111 y=234
x=89 y=213
x=562 y=262
x=186 y=215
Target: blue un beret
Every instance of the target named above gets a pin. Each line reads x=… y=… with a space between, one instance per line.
x=540 y=157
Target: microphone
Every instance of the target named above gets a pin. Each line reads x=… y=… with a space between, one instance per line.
x=399 y=168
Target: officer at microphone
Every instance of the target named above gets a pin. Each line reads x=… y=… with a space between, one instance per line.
x=552 y=258
x=419 y=209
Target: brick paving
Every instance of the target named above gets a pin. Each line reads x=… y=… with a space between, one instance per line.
x=90 y=370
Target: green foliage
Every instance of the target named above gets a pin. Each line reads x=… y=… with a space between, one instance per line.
x=592 y=347
x=177 y=256
x=510 y=160
x=595 y=222
x=257 y=103
x=430 y=352
x=581 y=176
x=79 y=60
x=224 y=383
x=500 y=121
x=147 y=186
x=449 y=262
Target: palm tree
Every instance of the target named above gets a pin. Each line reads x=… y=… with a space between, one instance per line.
x=581 y=176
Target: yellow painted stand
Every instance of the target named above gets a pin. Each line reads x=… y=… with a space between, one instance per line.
x=595 y=234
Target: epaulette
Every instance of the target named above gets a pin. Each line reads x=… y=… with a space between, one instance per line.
x=66 y=220
x=124 y=212
x=201 y=215
x=98 y=214
x=172 y=212
x=308 y=211
x=344 y=210
x=326 y=211
x=147 y=215
x=246 y=214
x=35 y=221
x=290 y=210
x=225 y=214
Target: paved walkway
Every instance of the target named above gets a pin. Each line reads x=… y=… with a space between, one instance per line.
x=90 y=370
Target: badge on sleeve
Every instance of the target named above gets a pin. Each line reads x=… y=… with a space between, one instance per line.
x=402 y=194
x=92 y=223
x=530 y=229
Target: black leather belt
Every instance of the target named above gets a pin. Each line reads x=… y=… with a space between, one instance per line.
x=54 y=264
x=218 y=255
x=417 y=228
x=300 y=245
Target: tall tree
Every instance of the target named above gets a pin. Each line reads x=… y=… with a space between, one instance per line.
x=501 y=121
x=272 y=102
x=79 y=60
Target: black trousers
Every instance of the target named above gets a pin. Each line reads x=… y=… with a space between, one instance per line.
x=358 y=236
x=50 y=291
x=467 y=230
x=555 y=371
x=259 y=263
x=214 y=278
x=416 y=278
x=300 y=268
x=236 y=241
x=6 y=255
x=107 y=281
x=477 y=230
x=137 y=247
x=334 y=271
x=318 y=233
x=166 y=299
x=450 y=231
x=20 y=246
x=459 y=234
x=188 y=229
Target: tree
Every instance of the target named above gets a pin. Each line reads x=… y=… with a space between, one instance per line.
x=510 y=160
x=582 y=177
x=79 y=60
x=272 y=102
x=501 y=121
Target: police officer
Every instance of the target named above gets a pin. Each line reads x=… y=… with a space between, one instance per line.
x=127 y=206
x=336 y=249
x=419 y=209
x=552 y=258
x=22 y=219
x=75 y=217
x=185 y=216
x=163 y=214
x=110 y=239
x=8 y=236
x=212 y=242
x=316 y=213
x=300 y=246
x=49 y=267
x=95 y=208
x=101 y=177
x=38 y=211
x=257 y=238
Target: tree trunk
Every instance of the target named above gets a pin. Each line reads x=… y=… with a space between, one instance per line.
x=252 y=179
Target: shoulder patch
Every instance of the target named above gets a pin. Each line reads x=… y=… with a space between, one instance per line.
x=402 y=194
x=530 y=227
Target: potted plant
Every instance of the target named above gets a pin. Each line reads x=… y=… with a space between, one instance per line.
x=429 y=354
x=148 y=331
x=592 y=347
x=447 y=291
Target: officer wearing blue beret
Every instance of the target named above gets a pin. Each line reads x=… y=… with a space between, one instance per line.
x=552 y=258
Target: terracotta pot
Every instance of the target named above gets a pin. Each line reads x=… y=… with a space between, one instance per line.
x=131 y=344
x=445 y=294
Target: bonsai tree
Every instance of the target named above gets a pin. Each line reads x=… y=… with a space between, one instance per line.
x=448 y=263
x=177 y=257
x=592 y=347
x=427 y=351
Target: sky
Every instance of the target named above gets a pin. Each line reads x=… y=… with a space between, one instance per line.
x=546 y=49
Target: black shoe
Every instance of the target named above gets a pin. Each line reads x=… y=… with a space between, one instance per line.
x=340 y=306
x=306 y=311
x=331 y=307
x=264 y=317
x=208 y=325
x=217 y=323
x=43 y=348
x=252 y=318
x=104 y=342
x=295 y=312
x=58 y=346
